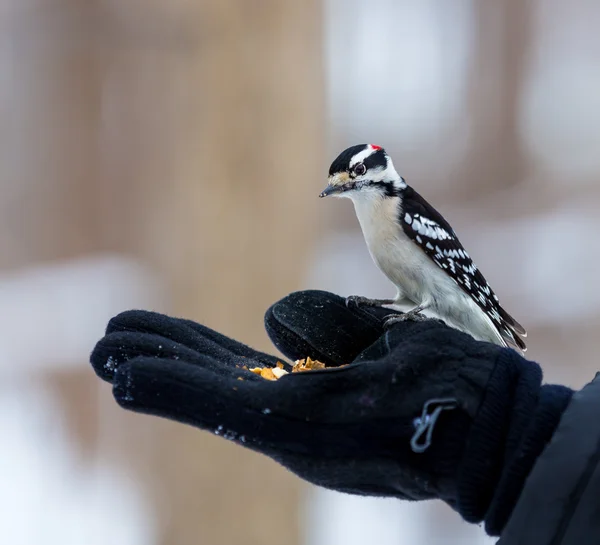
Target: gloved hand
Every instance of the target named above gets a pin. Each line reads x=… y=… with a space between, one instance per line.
x=416 y=412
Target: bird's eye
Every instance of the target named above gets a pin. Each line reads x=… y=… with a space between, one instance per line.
x=360 y=169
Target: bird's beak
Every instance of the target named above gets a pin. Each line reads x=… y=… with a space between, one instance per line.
x=330 y=190
x=338 y=183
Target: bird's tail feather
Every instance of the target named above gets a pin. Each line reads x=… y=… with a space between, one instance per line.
x=513 y=325
x=512 y=339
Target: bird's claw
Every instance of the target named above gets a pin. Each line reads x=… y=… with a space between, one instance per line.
x=412 y=316
x=355 y=300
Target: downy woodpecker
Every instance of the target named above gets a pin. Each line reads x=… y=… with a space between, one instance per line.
x=415 y=247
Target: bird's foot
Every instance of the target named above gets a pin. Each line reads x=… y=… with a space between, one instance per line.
x=413 y=315
x=360 y=301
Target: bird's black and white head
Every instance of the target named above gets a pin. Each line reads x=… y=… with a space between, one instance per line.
x=363 y=171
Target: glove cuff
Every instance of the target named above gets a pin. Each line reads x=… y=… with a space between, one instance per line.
x=537 y=431
x=515 y=421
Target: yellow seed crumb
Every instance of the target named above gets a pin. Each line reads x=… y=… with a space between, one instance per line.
x=275 y=373
x=307 y=364
x=279 y=372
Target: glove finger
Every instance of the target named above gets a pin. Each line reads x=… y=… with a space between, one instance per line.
x=281 y=416
x=119 y=347
x=188 y=333
x=320 y=325
x=234 y=409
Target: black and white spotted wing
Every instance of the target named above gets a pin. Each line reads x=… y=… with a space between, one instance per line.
x=427 y=227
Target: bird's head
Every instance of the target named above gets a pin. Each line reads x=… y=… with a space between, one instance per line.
x=363 y=171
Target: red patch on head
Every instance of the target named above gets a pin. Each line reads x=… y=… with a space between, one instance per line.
x=375 y=147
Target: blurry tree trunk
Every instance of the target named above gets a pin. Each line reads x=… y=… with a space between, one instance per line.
x=497 y=75
x=230 y=223
x=187 y=134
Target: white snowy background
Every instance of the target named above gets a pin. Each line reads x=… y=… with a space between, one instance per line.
x=396 y=76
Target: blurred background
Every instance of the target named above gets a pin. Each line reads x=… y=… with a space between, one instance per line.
x=168 y=156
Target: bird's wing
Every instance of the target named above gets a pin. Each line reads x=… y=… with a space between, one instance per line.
x=425 y=226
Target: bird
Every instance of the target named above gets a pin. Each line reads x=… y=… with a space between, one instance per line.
x=418 y=251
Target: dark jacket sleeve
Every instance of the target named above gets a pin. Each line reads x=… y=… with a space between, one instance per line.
x=560 y=502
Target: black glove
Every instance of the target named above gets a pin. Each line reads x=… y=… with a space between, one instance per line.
x=417 y=412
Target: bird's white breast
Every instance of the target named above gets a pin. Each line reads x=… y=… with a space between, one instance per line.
x=394 y=253
x=412 y=271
